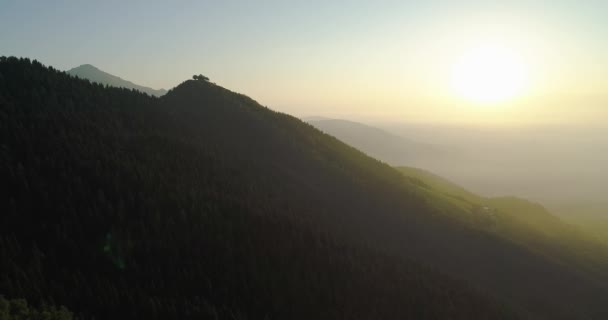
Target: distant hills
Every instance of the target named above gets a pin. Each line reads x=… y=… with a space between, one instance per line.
x=203 y=204
x=562 y=166
x=92 y=73
x=380 y=144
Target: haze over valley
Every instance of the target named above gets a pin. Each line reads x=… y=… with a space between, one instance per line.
x=563 y=167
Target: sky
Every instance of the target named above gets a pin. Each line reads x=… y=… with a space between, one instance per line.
x=379 y=60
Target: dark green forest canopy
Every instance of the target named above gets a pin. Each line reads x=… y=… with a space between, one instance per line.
x=19 y=309
x=204 y=204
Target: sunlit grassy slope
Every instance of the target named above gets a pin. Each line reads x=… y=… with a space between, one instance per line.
x=518 y=220
x=598 y=226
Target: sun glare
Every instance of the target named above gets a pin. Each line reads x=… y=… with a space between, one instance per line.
x=489 y=74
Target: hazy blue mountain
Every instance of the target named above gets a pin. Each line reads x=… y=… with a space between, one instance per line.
x=92 y=73
x=381 y=144
x=315 y=118
x=562 y=166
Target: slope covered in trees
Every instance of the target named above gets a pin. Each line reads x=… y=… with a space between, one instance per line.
x=19 y=309
x=125 y=206
x=202 y=203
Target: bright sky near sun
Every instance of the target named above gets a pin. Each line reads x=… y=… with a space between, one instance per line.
x=449 y=61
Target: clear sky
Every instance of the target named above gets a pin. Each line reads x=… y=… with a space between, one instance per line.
x=381 y=60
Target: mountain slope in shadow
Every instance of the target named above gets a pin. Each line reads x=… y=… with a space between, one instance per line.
x=202 y=203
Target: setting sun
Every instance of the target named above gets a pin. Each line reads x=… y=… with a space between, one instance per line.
x=489 y=74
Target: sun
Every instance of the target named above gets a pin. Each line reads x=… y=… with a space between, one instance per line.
x=489 y=74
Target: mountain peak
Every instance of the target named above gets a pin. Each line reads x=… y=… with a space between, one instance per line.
x=94 y=74
x=86 y=66
x=83 y=69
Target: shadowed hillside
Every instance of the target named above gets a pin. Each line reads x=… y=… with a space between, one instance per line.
x=18 y=309
x=204 y=204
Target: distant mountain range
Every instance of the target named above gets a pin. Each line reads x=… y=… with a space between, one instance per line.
x=383 y=145
x=92 y=73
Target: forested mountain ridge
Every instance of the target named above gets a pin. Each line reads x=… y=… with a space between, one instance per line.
x=120 y=208
x=202 y=203
x=92 y=73
x=19 y=309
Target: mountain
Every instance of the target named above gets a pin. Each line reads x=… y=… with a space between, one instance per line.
x=522 y=221
x=204 y=204
x=89 y=72
x=567 y=174
x=380 y=144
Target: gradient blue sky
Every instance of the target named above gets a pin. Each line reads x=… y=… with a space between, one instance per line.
x=356 y=59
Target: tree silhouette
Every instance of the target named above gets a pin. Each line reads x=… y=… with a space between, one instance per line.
x=200 y=77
